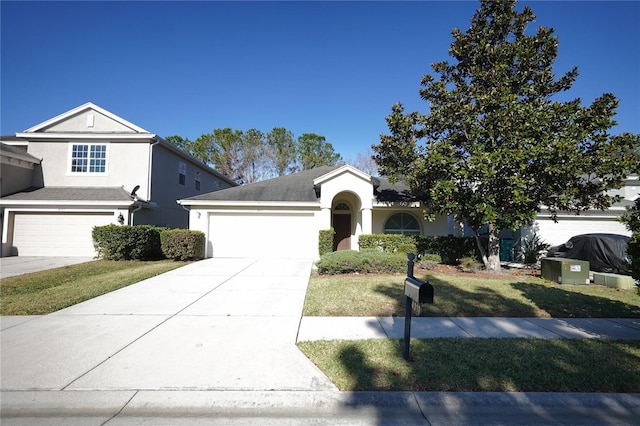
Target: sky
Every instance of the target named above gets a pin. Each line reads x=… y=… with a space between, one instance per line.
x=331 y=68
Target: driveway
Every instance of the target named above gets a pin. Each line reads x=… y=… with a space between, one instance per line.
x=18 y=265
x=216 y=324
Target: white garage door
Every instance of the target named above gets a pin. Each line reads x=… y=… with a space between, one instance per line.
x=263 y=235
x=55 y=234
x=558 y=233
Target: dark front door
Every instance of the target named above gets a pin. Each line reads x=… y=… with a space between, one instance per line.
x=342 y=227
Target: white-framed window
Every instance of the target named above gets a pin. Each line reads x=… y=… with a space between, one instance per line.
x=88 y=158
x=402 y=223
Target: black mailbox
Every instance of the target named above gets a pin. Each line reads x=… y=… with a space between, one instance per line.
x=418 y=291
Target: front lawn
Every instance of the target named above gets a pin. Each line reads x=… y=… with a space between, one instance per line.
x=47 y=291
x=468 y=296
x=480 y=365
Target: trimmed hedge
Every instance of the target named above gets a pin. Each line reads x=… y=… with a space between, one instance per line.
x=139 y=242
x=182 y=244
x=388 y=243
x=325 y=241
x=364 y=262
x=451 y=249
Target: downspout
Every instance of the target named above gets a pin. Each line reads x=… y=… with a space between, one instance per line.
x=133 y=211
x=156 y=141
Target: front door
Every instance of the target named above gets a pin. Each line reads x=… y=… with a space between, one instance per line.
x=342 y=227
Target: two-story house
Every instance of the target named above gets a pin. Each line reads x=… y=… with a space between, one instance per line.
x=88 y=167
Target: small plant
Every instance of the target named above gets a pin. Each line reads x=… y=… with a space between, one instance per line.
x=532 y=248
x=430 y=260
x=325 y=241
x=470 y=264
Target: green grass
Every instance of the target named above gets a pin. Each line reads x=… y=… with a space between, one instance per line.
x=480 y=365
x=459 y=296
x=54 y=289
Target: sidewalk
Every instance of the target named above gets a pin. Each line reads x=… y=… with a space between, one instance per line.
x=214 y=343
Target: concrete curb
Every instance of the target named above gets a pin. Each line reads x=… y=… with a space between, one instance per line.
x=323 y=407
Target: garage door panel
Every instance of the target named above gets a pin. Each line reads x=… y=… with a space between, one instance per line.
x=56 y=234
x=263 y=235
x=560 y=232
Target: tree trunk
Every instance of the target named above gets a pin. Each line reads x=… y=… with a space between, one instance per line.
x=491 y=255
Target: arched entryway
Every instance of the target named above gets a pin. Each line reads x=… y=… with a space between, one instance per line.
x=342 y=225
x=346 y=220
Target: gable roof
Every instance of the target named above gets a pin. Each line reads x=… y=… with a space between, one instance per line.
x=294 y=187
x=301 y=187
x=98 y=122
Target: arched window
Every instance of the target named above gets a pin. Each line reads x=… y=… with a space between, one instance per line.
x=342 y=207
x=402 y=223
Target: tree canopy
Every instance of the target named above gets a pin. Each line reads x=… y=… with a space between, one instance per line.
x=250 y=156
x=497 y=145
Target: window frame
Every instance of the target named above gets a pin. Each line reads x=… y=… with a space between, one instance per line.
x=402 y=231
x=90 y=145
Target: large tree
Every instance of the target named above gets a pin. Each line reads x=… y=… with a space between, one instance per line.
x=496 y=144
x=282 y=147
x=315 y=151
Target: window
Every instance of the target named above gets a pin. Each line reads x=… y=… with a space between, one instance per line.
x=88 y=158
x=182 y=173
x=197 y=181
x=402 y=223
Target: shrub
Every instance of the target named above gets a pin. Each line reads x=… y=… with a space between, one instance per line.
x=470 y=264
x=430 y=260
x=389 y=243
x=532 y=249
x=137 y=242
x=451 y=249
x=325 y=241
x=182 y=244
x=364 y=261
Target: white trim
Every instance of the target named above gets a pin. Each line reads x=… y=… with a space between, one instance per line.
x=70 y=145
x=340 y=170
x=63 y=203
x=77 y=110
x=258 y=204
x=103 y=136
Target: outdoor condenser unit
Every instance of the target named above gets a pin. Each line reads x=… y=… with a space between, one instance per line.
x=565 y=271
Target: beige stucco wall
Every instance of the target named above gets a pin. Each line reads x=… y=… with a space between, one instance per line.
x=127 y=164
x=81 y=122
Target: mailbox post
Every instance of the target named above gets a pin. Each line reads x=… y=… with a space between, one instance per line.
x=414 y=291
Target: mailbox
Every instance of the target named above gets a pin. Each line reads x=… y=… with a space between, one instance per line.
x=418 y=291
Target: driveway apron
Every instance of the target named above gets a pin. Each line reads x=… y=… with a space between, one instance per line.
x=216 y=324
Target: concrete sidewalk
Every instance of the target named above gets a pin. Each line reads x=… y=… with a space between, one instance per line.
x=214 y=343
x=356 y=328
x=18 y=265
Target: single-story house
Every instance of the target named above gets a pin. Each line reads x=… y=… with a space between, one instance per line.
x=283 y=216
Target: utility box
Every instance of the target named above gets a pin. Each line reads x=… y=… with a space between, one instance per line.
x=622 y=282
x=565 y=271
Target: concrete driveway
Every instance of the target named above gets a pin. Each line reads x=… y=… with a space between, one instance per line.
x=216 y=324
x=18 y=265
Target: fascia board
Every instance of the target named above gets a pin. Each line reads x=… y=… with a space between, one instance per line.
x=67 y=203
x=85 y=136
x=249 y=204
x=85 y=107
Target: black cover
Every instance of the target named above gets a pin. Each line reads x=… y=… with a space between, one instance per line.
x=605 y=252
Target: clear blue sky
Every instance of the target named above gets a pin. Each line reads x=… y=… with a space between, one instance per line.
x=332 y=68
